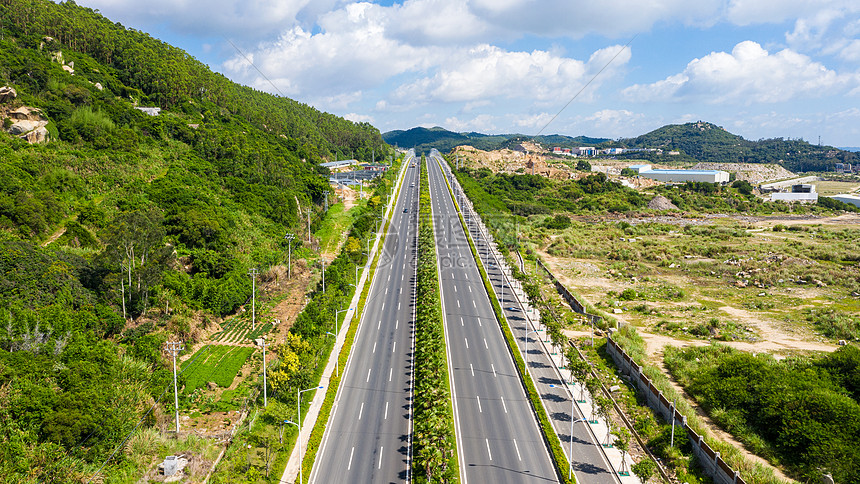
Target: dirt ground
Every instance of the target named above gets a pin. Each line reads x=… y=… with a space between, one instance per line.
x=592 y=281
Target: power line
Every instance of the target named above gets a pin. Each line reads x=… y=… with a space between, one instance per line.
x=586 y=85
x=256 y=68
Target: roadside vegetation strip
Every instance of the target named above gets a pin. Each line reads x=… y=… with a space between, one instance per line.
x=334 y=382
x=434 y=441
x=752 y=472
x=549 y=434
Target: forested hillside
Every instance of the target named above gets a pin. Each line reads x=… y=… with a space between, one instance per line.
x=707 y=142
x=124 y=228
x=425 y=139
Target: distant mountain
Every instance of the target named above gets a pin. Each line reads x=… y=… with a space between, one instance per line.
x=707 y=142
x=423 y=139
x=691 y=142
x=855 y=149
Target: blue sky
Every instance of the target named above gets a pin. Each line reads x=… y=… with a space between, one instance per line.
x=759 y=68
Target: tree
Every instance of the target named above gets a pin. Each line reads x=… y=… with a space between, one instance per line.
x=135 y=245
x=644 y=469
x=622 y=443
x=579 y=370
x=604 y=409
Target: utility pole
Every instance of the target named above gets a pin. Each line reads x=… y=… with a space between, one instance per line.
x=174 y=347
x=265 y=388
x=322 y=259
x=309 y=227
x=253 y=273
x=290 y=237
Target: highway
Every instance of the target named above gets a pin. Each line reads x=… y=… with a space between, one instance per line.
x=368 y=436
x=589 y=462
x=498 y=439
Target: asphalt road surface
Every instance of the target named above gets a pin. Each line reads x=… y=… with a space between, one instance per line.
x=498 y=436
x=368 y=436
x=589 y=463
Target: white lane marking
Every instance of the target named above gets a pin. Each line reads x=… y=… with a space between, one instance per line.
x=461 y=321
x=488 y=449
x=485 y=344
x=398 y=305
x=455 y=288
x=386 y=290
x=404 y=265
x=374 y=347
x=494 y=369
x=401 y=289
x=379 y=466
x=386 y=411
x=473 y=304
x=467 y=276
x=394 y=346
x=396 y=323
x=503 y=404
x=458 y=303
x=402 y=276
x=349 y=465
x=390 y=372
x=470 y=288
x=467 y=343
x=379 y=325
x=472 y=369
x=361 y=410
x=368 y=375
x=518 y=449
x=383 y=306
x=479 y=322
x=479 y=404
x=389 y=277
x=452 y=275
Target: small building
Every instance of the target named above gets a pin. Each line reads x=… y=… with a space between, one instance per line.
x=801 y=193
x=338 y=165
x=149 y=111
x=640 y=168
x=849 y=199
x=681 y=176
x=585 y=151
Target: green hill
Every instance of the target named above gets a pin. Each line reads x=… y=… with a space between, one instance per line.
x=707 y=142
x=121 y=212
x=424 y=139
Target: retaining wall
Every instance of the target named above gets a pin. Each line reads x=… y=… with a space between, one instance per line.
x=569 y=297
x=713 y=465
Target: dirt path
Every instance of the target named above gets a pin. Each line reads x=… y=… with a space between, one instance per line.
x=56 y=235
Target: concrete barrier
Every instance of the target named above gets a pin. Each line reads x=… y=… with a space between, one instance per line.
x=713 y=465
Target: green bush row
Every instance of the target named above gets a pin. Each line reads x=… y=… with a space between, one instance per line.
x=434 y=439
x=548 y=431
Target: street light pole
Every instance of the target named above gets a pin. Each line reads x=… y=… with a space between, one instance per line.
x=570 y=452
x=526 y=348
x=265 y=389
x=322 y=260
x=299 y=406
x=174 y=347
x=290 y=238
x=253 y=273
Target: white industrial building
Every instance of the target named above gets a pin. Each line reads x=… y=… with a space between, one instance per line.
x=803 y=193
x=851 y=199
x=681 y=176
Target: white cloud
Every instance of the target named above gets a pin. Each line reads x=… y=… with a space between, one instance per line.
x=352 y=52
x=535 y=121
x=747 y=75
x=211 y=18
x=358 y=118
x=577 y=18
x=486 y=71
x=483 y=123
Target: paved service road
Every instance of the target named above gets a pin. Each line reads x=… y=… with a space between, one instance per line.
x=497 y=434
x=368 y=436
x=589 y=462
